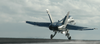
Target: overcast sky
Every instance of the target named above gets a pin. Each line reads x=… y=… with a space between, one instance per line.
x=14 y=13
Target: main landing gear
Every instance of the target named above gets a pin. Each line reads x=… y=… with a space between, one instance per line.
x=53 y=35
x=67 y=34
x=69 y=37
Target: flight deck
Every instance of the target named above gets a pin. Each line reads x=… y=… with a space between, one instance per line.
x=41 y=40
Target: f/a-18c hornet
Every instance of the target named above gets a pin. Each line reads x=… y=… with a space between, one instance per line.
x=63 y=26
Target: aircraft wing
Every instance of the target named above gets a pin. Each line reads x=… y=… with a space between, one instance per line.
x=74 y=27
x=43 y=24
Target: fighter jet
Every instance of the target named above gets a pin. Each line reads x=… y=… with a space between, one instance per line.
x=63 y=26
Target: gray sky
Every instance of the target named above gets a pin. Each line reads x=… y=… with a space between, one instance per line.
x=14 y=13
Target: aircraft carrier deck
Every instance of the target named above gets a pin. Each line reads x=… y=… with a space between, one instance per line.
x=40 y=40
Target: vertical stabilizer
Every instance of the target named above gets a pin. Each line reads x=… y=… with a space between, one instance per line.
x=65 y=20
x=49 y=16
